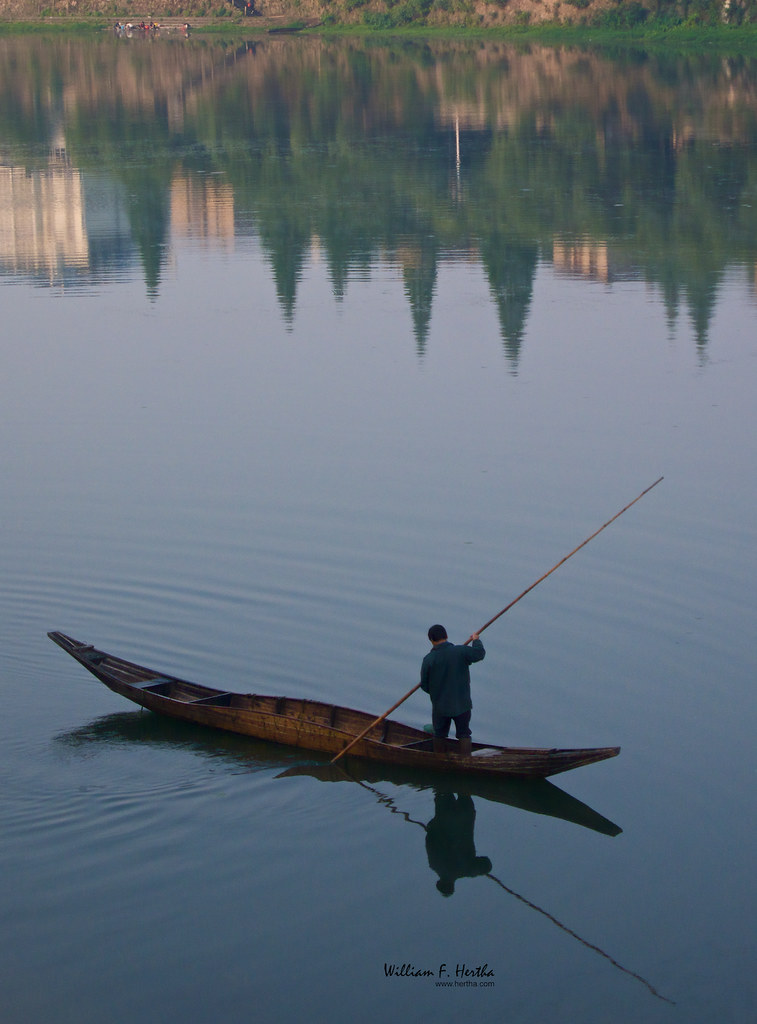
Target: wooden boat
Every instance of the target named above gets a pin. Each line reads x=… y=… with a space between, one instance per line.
x=314 y=725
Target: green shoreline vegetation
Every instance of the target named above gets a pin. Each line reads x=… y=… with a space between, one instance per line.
x=724 y=26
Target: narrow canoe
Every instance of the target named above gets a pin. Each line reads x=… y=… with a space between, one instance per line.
x=314 y=725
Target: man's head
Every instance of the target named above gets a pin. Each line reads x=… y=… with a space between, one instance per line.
x=437 y=634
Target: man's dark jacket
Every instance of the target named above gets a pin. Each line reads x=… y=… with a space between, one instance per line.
x=445 y=676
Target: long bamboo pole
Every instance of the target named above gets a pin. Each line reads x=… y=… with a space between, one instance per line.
x=499 y=614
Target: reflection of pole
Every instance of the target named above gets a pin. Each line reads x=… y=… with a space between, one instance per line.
x=457 y=148
x=589 y=945
x=389 y=802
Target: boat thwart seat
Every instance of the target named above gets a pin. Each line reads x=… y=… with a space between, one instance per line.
x=152 y=683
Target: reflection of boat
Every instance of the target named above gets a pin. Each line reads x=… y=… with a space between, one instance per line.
x=450 y=842
x=314 y=725
x=535 y=795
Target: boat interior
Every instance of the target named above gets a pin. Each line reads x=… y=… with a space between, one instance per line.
x=331 y=716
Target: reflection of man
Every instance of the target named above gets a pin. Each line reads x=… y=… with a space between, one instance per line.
x=450 y=848
x=445 y=676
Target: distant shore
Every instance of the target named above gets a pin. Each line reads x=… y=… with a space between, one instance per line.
x=615 y=23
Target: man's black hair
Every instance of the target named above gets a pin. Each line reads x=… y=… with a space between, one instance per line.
x=437 y=633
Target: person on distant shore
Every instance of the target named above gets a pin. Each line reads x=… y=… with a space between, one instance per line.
x=445 y=677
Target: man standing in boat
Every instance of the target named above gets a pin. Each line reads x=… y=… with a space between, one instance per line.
x=445 y=677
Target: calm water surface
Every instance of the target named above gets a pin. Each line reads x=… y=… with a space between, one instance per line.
x=305 y=346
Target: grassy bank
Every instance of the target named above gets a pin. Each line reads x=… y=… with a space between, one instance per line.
x=599 y=29
x=725 y=38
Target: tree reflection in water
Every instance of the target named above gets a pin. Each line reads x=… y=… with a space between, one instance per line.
x=412 y=155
